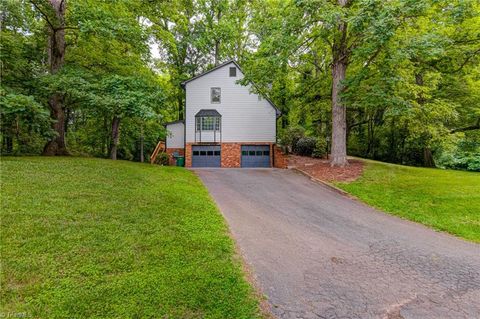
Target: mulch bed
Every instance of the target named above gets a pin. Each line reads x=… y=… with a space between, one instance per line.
x=321 y=169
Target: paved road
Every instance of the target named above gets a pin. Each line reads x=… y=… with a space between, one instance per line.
x=318 y=254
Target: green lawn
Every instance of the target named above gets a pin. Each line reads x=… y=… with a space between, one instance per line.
x=92 y=238
x=446 y=200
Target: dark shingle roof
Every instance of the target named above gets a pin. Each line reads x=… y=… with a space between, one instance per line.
x=208 y=112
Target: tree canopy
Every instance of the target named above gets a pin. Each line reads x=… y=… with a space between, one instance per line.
x=397 y=81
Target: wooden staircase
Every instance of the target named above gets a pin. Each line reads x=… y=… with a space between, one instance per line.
x=159 y=148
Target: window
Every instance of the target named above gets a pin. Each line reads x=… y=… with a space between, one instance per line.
x=266 y=153
x=217 y=153
x=233 y=72
x=196 y=153
x=208 y=123
x=215 y=94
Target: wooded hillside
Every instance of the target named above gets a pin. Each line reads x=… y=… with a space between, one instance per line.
x=399 y=80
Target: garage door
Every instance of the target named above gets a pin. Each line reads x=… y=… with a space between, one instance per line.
x=255 y=155
x=206 y=156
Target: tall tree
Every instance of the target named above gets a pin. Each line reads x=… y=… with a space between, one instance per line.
x=54 y=14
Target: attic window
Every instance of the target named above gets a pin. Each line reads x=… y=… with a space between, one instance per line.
x=233 y=72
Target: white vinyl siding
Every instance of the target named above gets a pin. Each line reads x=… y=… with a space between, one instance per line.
x=175 y=135
x=245 y=118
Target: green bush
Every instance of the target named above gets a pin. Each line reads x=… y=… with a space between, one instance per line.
x=461 y=160
x=305 y=146
x=320 y=149
x=289 y=138
x=162 y=159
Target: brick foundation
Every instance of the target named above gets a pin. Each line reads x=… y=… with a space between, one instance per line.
x=170 y=151
x=231 y=155
x=281 y=160
x=188 y=155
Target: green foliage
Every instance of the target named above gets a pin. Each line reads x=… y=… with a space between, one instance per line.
x=446 y=200
x=320 y=149
x=289 y=137
x=411 y=91
x=463 y=154
x=162 y=159
x=106 y=73
x=91 y=238
x=305 y=146
x=25 y=124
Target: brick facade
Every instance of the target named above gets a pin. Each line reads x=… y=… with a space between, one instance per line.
x=188 y=155
x=170 y=151
x=281 y=159
x=231 y=155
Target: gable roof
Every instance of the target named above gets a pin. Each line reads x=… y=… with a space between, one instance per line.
x=174 y=122
x=208 y=112
x=277 y=111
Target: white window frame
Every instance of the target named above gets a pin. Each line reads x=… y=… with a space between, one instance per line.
x=202 y=125
x=219 y=95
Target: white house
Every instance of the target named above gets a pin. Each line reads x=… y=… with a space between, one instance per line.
x=226 y=125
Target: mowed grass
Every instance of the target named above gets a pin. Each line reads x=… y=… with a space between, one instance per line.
x=92 y=238
x=446 y=200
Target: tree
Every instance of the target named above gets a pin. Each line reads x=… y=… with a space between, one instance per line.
x=53 y=13
x=125 y=97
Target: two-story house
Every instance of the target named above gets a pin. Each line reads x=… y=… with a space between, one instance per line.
x=226 y=125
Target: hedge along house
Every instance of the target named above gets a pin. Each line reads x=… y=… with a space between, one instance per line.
x=226 y=125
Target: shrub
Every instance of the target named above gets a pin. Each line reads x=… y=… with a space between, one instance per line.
x=320 y=149
x=289 y=137
x=305 y=146
x=162 y=159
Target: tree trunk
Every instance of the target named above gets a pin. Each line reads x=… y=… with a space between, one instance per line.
x=428 y=160
x=142 y=158
x=217 y=41
x=339 y=117
x=339 y=111
x=115 y=137
x=217 y=52
x=106 y=134
x=180 y=105
x=56 y=59
x=57 y=145
x=7 y=143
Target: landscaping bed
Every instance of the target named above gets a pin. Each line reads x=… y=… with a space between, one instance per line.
x=321 y=168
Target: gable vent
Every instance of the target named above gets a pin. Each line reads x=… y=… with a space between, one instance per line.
x=233 y=72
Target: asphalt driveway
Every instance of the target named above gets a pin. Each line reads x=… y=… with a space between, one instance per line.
x=318 y=254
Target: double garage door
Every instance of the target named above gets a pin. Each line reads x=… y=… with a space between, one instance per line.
x=251 y=156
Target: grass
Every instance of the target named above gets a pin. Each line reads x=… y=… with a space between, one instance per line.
x=445 y=200
x=92 y=238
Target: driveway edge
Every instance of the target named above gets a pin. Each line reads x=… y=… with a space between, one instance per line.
x=329 y=185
